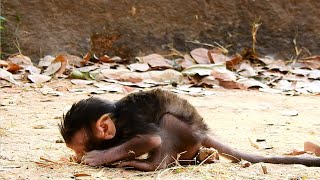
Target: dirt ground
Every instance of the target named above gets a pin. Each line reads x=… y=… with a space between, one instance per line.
x=30 y=137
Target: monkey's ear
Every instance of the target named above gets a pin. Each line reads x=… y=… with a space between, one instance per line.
x=105 y=128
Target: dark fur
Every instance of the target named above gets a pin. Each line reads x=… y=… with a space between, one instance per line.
x=137 y=113
x=145 y=113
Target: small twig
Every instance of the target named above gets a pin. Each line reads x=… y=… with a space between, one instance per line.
x=254 y=30
x=161 y=163
x=200 y=43
x=217 y=45
x=224 y=49
x=175 y=51
x=48 y=160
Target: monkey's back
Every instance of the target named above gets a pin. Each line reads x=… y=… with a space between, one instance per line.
x=143 y=110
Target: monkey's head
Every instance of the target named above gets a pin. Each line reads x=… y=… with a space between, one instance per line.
x=87 y=125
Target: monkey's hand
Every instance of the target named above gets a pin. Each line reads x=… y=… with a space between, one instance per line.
x=95 y=158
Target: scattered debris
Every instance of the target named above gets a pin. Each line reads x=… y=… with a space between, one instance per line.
x=81 y=175
x=289 y=113
x=245 y=164
x=202 y=68
x=264 y=169
x=311 y=147
x=39 y=126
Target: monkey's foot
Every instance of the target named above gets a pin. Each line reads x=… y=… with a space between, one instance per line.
x=208 y=155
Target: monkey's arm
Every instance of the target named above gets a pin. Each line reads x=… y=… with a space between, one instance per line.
x=135 y=147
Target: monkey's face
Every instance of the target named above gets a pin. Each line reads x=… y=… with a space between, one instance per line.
x=85 y=141
x=78 y=144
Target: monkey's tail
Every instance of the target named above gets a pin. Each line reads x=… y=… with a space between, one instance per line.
x=236 y=155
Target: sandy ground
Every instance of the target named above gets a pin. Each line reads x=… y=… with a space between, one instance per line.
x=29 y=131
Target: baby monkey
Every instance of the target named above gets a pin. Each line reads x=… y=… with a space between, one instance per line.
x=156 y=122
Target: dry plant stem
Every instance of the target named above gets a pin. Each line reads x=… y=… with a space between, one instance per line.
x=298 y=50
x=48 y=160
x=254 y=30
x=175 y=52
x=161 y=163
x=224 y=49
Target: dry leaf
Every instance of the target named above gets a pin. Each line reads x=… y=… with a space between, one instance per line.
x=284 y=85
x=91 y=68
x=76 y=74
x=312 y=62
x=251 y=83
x=202 y=69
x=142 y=67
x=168 y=75
x=86 y=59
x=3 y=63
x=234 y=62
x=187 y=61
x=39 y=78
x=49 y=91
x=105 y=59
x=133 y=77
x=64 y=61
x=69 y=59
x=223 y=74
x=52 y=68
x=109 y=87
x=230 y=84
x=311 y=147
x=218 y=58
x=247 y=70
x=313 y=87
x=314 y=74
x=4 y=74
x=12 y=67
x=81 y=82
x=200 y=55
x=118 y=59
x=114 y=73
x=194 y=91
x=279 y=65
x=142 y=85
x=295 y=153
x=20 y=60
x=155 y=61
x=267 y=60
x=303 y=72
x=33 y=70
x=46 y=61
x=208 y=81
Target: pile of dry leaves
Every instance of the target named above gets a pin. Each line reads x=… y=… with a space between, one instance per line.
x=188 y=73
